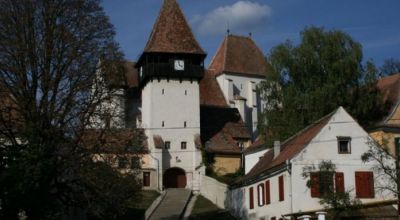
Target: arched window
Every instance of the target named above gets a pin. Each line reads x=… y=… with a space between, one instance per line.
x=261 y=194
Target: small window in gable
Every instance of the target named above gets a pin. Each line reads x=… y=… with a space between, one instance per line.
x=185 y=92
x=162 y=91
x=344 y=145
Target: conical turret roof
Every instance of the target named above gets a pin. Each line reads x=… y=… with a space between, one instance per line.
x=171 y=32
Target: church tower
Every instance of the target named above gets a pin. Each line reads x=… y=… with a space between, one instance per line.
x=170 y=69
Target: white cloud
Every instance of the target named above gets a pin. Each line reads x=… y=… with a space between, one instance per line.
x=241 y=16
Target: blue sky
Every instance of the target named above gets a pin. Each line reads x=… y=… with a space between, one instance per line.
x=373 y=23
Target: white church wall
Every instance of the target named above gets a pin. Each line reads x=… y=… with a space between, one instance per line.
x=243 y=86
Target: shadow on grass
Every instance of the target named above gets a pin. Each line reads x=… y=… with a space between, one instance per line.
x=205 y=209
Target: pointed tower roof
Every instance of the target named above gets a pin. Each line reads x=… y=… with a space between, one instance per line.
x=171 y=32
x=239 y=55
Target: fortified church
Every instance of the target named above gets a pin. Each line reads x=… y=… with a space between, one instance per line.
x=185 y=107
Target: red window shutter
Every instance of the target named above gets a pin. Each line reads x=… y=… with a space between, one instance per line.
x=314 y=178
x=251 y=197
x=267 y=193
x=339 y=182
x=365 y=185
x=281 y=190
x=371 y=188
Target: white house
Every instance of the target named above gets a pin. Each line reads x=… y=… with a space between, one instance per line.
x=275 y=186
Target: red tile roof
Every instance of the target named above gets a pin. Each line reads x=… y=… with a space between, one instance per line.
x=171 y=32
x=390 y=87
x=390 y=90
x=210 y=92
x=115 y=140
x=239 y=55
x=131 y=74
x=289 y=148
x=221 y=127
x=123 y=75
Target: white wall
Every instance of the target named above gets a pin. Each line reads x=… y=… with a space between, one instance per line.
x=242 y=85
x=276 y=208
x=323 y=147
x=252 y=159
x=214 y=191
x=173 y=102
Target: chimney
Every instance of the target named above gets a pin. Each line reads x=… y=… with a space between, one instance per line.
x=277 y=148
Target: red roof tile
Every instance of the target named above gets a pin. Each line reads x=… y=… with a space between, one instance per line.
x=115 y=140
x=221 y=127
x=171 y=32
x=210 y=92
x=390 y=87
x=289 y=148
x=239 y=55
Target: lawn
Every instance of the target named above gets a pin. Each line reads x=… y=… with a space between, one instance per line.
x=137 y=209
x=205 y=209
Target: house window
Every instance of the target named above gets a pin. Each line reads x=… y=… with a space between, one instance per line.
x=162 y=91
x=146 y=178
x=251 y=198
x=167 y=145
x=323 y=183
x=267 y=193
x=365 y=184
x=260 y=194
x=122 y=163
x=184 y=124
x=344 y=145
x=162 y=124
x=183 y=145
x=185 y=92
x=281 y=189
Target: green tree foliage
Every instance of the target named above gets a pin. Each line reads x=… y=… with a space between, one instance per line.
x=311 y=79
x=390 y=66
x=49 y=57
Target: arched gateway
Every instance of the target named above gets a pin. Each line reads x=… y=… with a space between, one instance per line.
x=174 y=178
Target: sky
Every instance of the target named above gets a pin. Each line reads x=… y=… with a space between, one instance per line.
x=373 y=23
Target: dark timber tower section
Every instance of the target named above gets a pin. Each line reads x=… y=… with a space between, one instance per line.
x=171 y=51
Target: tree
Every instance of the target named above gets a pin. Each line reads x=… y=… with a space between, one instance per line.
x=311 y=79
x=386 y=166
x=333 y=200
x=390 y=66
x=50 y=52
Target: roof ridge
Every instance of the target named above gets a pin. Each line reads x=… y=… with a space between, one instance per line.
x=309 y=127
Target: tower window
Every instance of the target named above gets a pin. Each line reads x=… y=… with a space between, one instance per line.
x=183 y=145
x=162 y=124
x=184 y=124
x=185 y=92
x=162 y=92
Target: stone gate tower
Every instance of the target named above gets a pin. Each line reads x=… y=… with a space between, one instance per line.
x=170 y=69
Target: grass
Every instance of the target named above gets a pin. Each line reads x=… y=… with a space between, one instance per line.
x=205 y=209
x=137 y=208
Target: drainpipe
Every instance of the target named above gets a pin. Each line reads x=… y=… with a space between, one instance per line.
x=289 y=169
